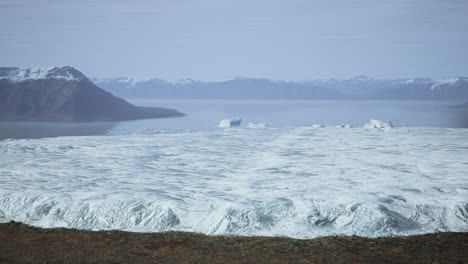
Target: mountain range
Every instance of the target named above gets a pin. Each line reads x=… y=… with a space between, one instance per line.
x=63 y=94
x=359 y=88
x=66 y=94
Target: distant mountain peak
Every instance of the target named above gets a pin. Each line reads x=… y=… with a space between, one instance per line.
x=113 y=79
x=361 y=78
x=14 y=74
x=360 y=87
x=184 y=81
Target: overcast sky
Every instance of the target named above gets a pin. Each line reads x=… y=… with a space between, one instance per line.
x=222 y=39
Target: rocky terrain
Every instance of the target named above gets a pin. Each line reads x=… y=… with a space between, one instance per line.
x=63 y=94
x=21 y=243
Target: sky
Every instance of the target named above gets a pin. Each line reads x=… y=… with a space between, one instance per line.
x=213 y=40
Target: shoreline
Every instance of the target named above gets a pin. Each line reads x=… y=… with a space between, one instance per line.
x=21 y=243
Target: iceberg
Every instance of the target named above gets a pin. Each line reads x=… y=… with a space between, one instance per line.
x=373 y=123
x=259 y=125
x=231 y=122
x=345 y=126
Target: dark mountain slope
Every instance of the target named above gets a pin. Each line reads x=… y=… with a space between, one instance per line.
x=64 y=95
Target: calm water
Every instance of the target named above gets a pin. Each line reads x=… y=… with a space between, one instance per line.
x=206 y=114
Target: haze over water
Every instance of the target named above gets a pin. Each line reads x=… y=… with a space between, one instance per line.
x=206 y=114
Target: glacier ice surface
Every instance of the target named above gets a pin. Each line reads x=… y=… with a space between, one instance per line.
x=297 y=181
x=259 y=125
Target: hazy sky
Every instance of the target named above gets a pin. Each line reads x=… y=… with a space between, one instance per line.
x=221 y=39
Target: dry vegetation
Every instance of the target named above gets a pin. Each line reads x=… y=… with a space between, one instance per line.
x=20 y=243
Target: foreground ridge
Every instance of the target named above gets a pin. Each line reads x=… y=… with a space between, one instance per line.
x=26 y=244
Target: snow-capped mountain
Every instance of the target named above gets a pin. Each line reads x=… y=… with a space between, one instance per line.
x=14 y=74
x=359 y=88
x=63 y=94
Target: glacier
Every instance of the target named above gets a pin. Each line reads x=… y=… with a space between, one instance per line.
x=298 y=182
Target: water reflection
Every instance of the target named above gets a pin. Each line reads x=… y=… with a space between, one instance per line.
x=17 y=130
x=205 y=114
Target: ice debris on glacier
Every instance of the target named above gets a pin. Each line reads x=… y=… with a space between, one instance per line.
x=263 y=192
x=230 y=122
x=278 y=217
x=379 y=124
x=259 y=125
x=344 y=126
x=341 y=126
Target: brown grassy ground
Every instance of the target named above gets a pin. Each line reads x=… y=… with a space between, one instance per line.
x=21 y=243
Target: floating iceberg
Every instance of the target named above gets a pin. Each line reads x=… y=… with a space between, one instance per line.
x=231 y=122
x=373 y=123
x=259 y=125
x=345 y=126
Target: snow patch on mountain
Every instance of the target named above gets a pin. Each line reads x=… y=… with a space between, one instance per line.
x=14 y=74
x=443 y=82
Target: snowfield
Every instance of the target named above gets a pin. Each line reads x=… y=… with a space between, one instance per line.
x=299 y=181
x=24 y=74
